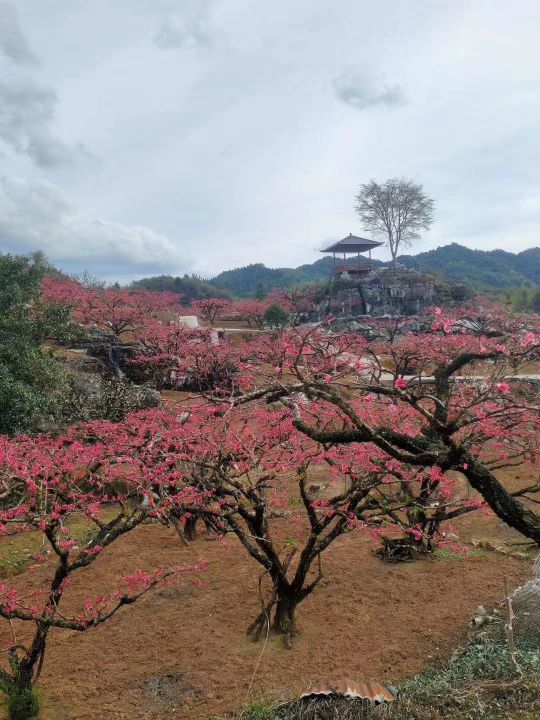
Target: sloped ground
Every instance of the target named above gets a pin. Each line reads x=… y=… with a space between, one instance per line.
x=182 y=651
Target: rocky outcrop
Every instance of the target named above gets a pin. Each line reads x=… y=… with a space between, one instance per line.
x=97 y=390
x=391 y=291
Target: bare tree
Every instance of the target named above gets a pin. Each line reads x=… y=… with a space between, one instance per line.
x=398 y=208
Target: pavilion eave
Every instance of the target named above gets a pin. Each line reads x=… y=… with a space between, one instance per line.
x=352 y=244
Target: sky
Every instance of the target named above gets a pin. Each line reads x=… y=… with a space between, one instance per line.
x=143 y=137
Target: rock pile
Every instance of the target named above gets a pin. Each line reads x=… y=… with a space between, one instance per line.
x=391 y=291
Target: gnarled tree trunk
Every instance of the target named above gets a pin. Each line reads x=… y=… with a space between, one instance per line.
x=286 y=604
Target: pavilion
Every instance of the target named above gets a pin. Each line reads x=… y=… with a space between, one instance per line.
x=349 y=246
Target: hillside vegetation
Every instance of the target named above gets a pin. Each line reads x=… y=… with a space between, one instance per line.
x=487 y=268
x=189 y=286
x=492 y=269
x=257 y=278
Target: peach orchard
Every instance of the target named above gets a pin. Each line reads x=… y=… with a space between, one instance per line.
x=289 y=441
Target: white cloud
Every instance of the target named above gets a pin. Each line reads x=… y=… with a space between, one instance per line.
x=244 y=152
x=37 y=215
x=190 y=28
x=12 y=40
x=362 y=90
x=28 y=106
x=177 y=35
x=26 y=115
x=530 y=204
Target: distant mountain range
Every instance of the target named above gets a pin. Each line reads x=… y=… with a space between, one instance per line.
x=250 y=280
x=494 y=269
x=480 y=268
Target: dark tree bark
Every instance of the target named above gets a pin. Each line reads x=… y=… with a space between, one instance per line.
x=504 y=504
x=434 y=448
x=284 y=616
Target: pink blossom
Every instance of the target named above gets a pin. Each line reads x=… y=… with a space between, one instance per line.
x=435 y=474
x=139 y=580
x=503 y=387
x=400 y=384
x=528 y=339
x=415 y=532
x=67 y=544
x=93 y=551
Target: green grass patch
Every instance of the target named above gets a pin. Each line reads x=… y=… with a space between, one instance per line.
x=18 y=552
x=446 y=554
x=22 y=704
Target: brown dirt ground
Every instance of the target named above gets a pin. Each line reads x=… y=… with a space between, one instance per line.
x=182 y=651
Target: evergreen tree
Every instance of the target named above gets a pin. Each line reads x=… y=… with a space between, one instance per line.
x=29 y=376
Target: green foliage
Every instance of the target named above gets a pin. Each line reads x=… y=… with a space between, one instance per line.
x=261 y=291
x=28 y=379
x=524 y=299
x=247 y=281
x=534 y=302
x=259 y=710
x=478 y=682
x=492 y=268
x=29 y=376
x=22 y=703
x=481 y=269
x=453 y=262
x=191 y=287
x=484 y=658
x=276 y=316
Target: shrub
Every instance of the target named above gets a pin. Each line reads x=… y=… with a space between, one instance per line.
x=276 y=316
x=92 y=397
x=22 y=704
x=485 y=658
x=29 y=376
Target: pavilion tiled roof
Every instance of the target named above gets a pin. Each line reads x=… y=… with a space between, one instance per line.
x=352 y=244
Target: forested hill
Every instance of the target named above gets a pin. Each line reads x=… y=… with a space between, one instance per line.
x=492 y=268
x=481 y=268
x=252 y=279
x=242 y=282
x=189 y=286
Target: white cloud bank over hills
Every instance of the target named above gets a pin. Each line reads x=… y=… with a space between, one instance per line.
x=39 y=215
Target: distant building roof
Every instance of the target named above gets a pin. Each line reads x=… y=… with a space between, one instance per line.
x=352 y=244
